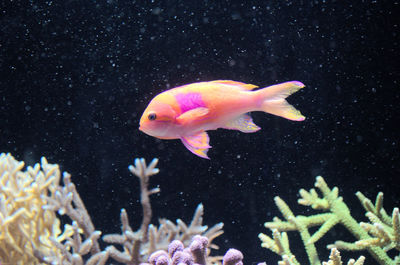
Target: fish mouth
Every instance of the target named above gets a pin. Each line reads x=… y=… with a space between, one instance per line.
x=143 y=129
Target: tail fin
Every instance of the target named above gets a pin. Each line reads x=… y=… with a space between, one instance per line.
x=274 y=100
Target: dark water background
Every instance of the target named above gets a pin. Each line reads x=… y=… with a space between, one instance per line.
x=76 y=76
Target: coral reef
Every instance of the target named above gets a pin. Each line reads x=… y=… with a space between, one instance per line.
x=32 y=202
x=26 y=226
x=30 y=228
x=384 y=229
x=377 y=237
x=196 y=253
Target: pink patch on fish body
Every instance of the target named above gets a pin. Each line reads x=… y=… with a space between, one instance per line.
x=189 y=101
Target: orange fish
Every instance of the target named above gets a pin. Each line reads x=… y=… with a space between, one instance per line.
x=188 y=112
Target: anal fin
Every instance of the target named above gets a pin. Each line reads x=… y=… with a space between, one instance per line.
x=243 y=123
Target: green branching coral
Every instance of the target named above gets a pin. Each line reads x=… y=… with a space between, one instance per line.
x=377 y=237
x=336 y=259
x=384 y=230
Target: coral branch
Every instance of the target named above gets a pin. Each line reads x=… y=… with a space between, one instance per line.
x=30 y=229
x=377 y=237
x=144 y=172
x=66 y=200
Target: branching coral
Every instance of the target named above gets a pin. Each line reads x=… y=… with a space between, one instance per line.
x=30 y=229
x=137 y=245
x=385 y=230
x=26 y=226
x=336 y=259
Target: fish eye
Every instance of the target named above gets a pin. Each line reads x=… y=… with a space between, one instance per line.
x=152 y=116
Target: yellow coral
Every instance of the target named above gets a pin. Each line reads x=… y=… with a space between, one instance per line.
x=25 y=226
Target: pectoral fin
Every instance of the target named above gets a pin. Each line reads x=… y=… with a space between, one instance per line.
x=192 y=115
x=243 y=123
x=197 y=144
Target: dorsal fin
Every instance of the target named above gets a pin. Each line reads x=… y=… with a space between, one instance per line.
x=240 y=85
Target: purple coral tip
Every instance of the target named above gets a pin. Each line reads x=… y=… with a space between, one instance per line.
x=198 y=248
x=159 y=258
x=181 y=257
x=233 y=257
x=202 y=240
x=175 y=246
